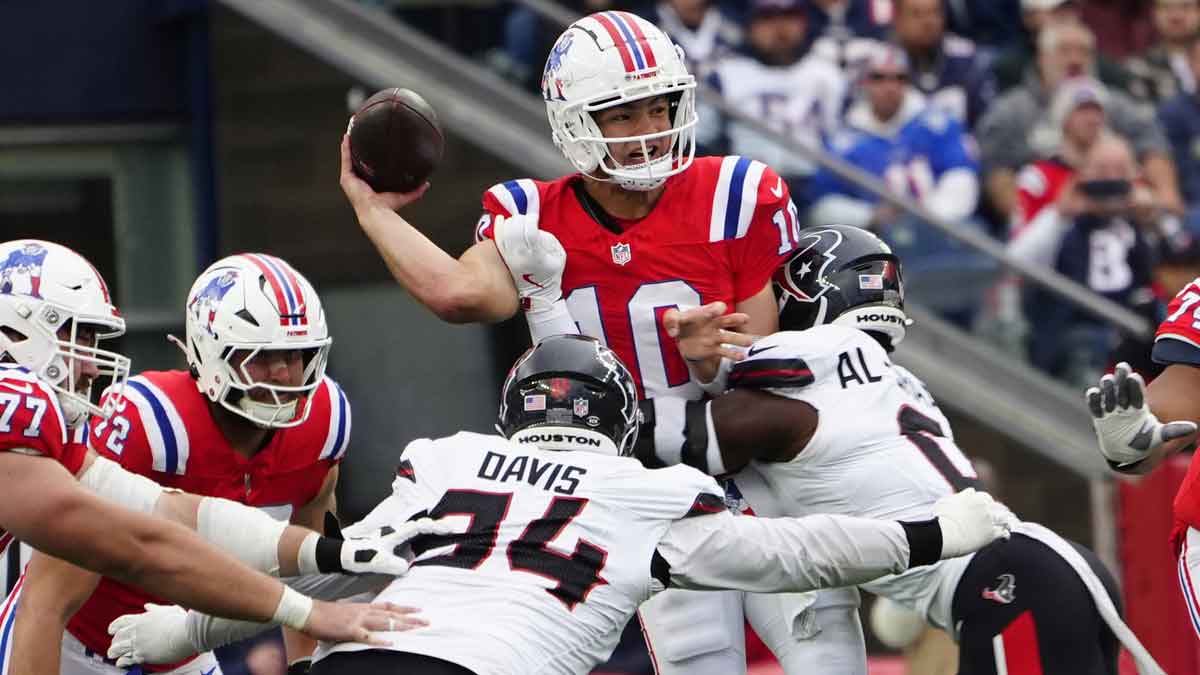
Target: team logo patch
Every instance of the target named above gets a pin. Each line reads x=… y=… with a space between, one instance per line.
x=1004 y=592
x=21 y=271
x=534 y=402
x=209 y=298
x=581 y=407
x=552 y=85
x=621 y=253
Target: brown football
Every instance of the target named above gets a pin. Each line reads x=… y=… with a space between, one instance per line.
x=395 y=141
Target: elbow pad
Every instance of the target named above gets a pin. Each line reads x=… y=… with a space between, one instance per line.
x=242 y=531
x=110 y=480
x=678 y=431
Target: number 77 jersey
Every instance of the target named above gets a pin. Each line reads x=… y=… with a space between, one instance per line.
x=717 y=233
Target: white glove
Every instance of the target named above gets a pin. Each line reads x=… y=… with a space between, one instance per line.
x=1128 y=432
x=971 y=520
x=535 y=260
x=386 y=550
x=157 y=636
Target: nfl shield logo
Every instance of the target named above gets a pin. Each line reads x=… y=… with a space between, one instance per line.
x=581 y=407
x=621 y=253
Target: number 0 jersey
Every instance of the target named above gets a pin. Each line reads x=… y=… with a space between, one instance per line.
x=164 y=429
x=717 y=233
x=554 y=558
x=1178 y=342
x=882 y=448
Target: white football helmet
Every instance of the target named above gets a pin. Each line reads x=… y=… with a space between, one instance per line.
x=609 y=59
x=243 y=305
x=45 y=288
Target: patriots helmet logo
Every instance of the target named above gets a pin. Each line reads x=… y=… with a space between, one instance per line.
x=209 y=298
x=21 y=271
x=553 y=64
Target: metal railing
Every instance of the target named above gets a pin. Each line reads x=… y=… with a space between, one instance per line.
x=1067 y=289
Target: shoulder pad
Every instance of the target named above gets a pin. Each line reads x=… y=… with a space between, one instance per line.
x=796 y=359
x=31 y=415
x=735 y=197
x=520 y=196
x=337 y=437
x=163 y=426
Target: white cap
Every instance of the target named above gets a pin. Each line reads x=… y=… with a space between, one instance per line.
x=1030 y=5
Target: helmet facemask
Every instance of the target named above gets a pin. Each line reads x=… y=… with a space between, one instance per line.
x=49 y=345
x=288 y=405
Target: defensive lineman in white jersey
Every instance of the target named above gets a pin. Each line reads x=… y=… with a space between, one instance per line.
x=819 y=419
x=562 y=534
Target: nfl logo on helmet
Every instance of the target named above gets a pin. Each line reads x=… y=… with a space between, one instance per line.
x=581 y=407
x=621 y=253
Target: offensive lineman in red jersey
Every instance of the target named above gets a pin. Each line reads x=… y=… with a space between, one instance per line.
x=644 y=229
x=49 y=357
x=254 y=421
x=1126 y=415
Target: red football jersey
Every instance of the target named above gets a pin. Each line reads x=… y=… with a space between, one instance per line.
x=1178 y=341
x=717 y=233
x=31 y=419
x=1038 y=186
x=163 y=429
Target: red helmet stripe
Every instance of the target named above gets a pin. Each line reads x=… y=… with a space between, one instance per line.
x=297 y=290
x=618 y=40
x=276 y=285
x=638 y=35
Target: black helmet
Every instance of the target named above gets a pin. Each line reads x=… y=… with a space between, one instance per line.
x=570 y=392
x=844 y=275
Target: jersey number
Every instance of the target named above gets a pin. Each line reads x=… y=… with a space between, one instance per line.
x=10 y=403
x=1189 y=300
x=925 y=433
x=576 y=574
x=658 y=361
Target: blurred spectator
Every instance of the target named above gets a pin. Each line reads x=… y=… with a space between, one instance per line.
x=528 y=38
x=1075 y=123
x=892 y=133
x=987 y=22
x=1065 y=50
x=704 y=31
x=1177 y=263
x=945 y=67
x=918 y=151
x=1180 y=117
x=1122 y=27
x=1014 y=65
x=1163 y=70
x=1095 y=236
x=777 y=82
x=845 y=31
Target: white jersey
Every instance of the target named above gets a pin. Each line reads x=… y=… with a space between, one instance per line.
x=557 y=554
x=882 y=448
x=803 y=101
x=558 y=549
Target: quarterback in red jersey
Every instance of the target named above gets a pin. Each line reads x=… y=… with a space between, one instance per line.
x=1127 y=414
x=644 y=227
x=274 y=444
x=49 y=357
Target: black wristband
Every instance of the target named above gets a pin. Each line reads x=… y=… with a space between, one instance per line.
x=924 y=541
x=329 y=555
x=300 y=667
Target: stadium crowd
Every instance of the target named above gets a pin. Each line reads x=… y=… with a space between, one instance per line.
x=1062 y=127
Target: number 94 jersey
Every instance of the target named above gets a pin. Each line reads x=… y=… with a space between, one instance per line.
x=882 y=448
x=552 y=556
x=717 y=233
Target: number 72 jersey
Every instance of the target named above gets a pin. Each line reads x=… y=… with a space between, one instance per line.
x=717 y=233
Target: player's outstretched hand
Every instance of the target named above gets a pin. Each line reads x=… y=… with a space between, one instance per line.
x=386 y=550
x=535 y=259
x=971 y=520
x=359 y=622
x=707 y=332
x=158 y=635
x=362 y=197
x=1126 y=429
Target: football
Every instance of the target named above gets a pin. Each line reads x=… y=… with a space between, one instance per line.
x=396 y=142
